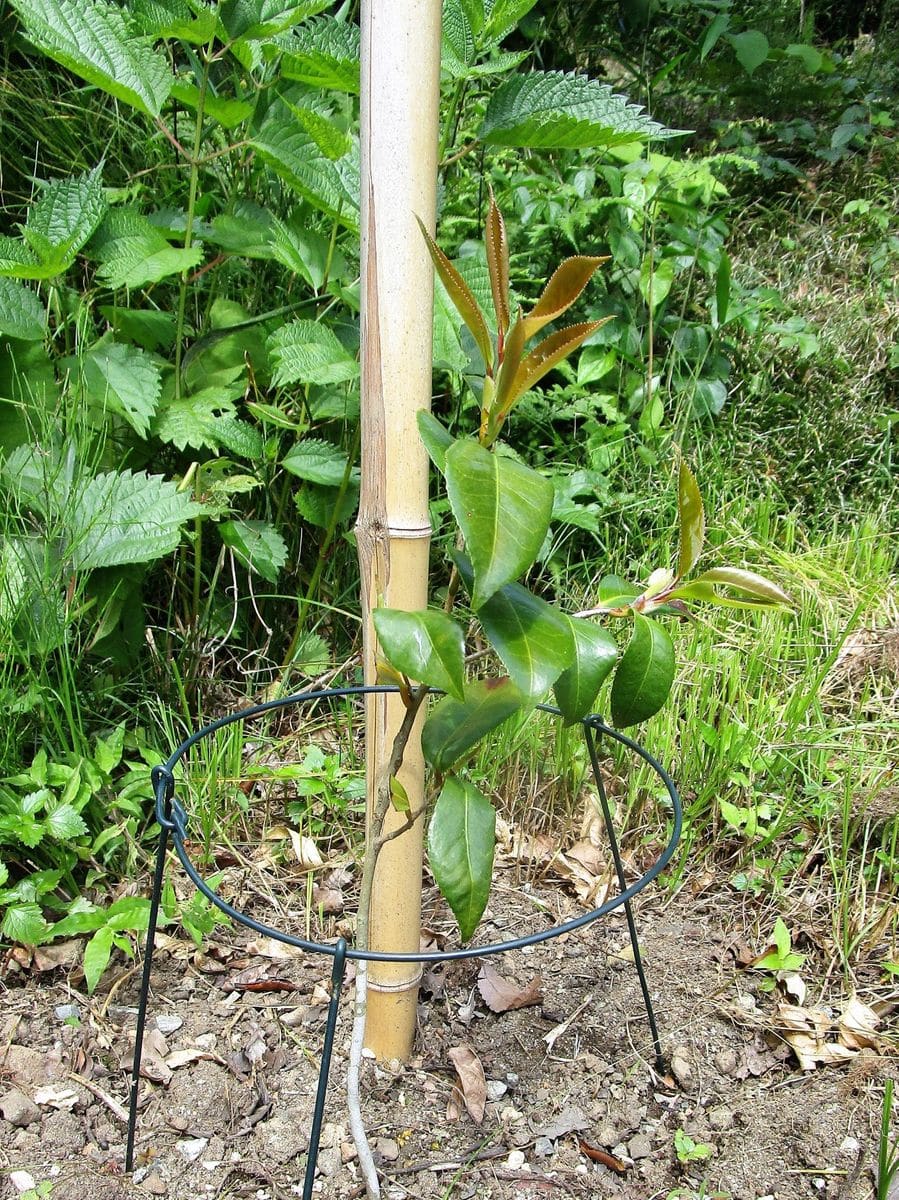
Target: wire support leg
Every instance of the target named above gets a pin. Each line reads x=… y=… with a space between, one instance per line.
x=143 y=1001
x=337 y=977
x=628 y=908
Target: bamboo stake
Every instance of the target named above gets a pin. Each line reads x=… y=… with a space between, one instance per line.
x=399 y=103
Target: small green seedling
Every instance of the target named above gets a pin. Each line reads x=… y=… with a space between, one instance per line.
x=687 y=1150
x=887 y=1148
x=779 y=957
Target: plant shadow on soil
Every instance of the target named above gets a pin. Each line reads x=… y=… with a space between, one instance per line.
x=229 y=1116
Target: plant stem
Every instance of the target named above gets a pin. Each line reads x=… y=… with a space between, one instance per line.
x=189 y=222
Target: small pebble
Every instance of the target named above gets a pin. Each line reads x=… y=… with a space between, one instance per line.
x=154 y=1184
x=639 y=1146
x=496 y=1089
x=191 y=1148
x=22 y=1181
x=544 y=1147
x=516 y=1160
x=168 y=1023
x=721 y=1117
x=388 y=1149
x=66 y=1012
x=18 y=1109
x=682 y=1067
x=329 y=1161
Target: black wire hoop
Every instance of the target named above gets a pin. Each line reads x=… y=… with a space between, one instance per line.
x=174 y=825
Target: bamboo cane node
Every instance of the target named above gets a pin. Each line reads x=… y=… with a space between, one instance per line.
x=409 y=531
x=401 y=985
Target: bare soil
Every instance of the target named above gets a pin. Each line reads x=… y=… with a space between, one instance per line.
x=574 y=1111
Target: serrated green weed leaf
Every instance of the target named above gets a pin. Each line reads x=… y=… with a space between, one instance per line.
x=257 y=545
x=564 y=111
x=93 y=40
x=21 y=313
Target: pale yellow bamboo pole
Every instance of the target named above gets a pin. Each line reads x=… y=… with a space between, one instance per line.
x=399 y=119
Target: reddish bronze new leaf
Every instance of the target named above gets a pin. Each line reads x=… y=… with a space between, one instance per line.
x=565 y=285
x=543 y=358
x=498 y=264
x=460 y=294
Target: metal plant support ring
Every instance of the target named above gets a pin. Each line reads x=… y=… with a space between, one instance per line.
x=174 y=826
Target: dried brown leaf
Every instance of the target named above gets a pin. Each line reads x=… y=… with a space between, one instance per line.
x=471 y=1080
x=502 y=995
x=858 y=1025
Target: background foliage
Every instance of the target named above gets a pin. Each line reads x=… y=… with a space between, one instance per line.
x=179 y=377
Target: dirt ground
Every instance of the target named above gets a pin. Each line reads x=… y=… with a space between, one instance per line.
x=572 y=1104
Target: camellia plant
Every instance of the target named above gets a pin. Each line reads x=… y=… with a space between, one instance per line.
x=503 y=510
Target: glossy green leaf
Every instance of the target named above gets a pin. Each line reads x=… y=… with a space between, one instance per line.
x=756 y=586
x=533 y=639
x=645 y=673
x=595 y=651
x=615 y=592
x=691 y=518
x=565 y=285
x=399 y=797
x=497 y=245
x=426 y=646
x=461 y=844
x=503 y=509
x=436 y=437
x=262 y=18
x=454 y=727
x=461 y=296
x=257 y=545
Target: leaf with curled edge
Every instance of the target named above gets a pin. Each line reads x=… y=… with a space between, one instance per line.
x=691 y=520
x=461 y=295
x=497 y=246
x=501 y=995
x=753 y=591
